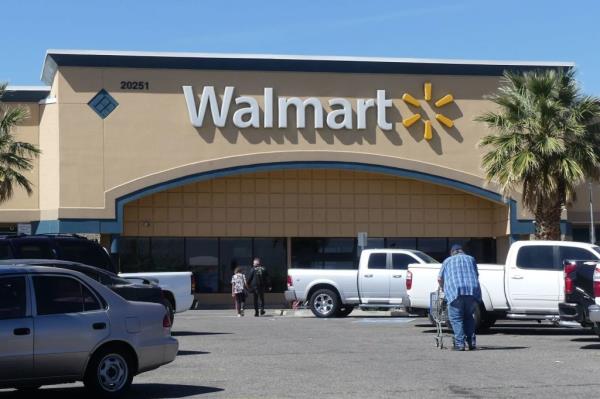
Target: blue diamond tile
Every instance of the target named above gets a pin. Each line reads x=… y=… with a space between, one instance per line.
x=103 y=103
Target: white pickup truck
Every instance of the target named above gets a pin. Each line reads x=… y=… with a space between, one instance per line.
x=529 y=286
x=381 y=281
x=178 y=287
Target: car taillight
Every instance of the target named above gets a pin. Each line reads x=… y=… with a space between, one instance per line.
x=569 y=283
x=193 y=284
x=597 y=282
x=166 y=321
x=408 y=280
x=290 y=282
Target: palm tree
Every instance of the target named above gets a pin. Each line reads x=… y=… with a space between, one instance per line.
x=15 y=156
x=545 y=141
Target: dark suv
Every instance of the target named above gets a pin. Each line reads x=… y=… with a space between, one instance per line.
x=69 y=247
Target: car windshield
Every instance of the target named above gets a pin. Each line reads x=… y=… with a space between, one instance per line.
x=424 y=257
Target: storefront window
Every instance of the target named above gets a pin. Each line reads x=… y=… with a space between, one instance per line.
x=134 y=255
x=212 y=260
x=168 y=254
x=202 y=257
x=435 y=247
x=375 y=243
x=273 y=255
x=324 y=253
x=401 y=243
x=482 y=249
x=233 y=252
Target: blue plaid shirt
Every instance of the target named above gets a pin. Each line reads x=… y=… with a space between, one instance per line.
x=460 y=277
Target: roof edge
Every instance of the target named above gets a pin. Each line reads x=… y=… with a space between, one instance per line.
x=25 y=94
x=282 y=62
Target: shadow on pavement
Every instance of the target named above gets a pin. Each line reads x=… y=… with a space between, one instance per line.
x=591 y=339
x=535 y=329
x=146 y=391
x=594 y=346
x=195 y=333
x=190 y=353
x=523 y=329
x=500 y=348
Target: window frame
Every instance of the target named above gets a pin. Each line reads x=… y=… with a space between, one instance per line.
x=86 y=247
x=410 y=255
x=34 y=309
x=27 y=295
x=19 y=243
x=562 y=259
x=555 y=258
x=387 y=261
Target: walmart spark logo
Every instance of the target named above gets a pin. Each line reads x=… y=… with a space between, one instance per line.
x=411 y=120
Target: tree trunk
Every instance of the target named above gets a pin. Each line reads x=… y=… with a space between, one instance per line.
x=547 y=218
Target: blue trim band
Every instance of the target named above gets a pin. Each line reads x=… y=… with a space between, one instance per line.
x=115 y=226
x=526 y=226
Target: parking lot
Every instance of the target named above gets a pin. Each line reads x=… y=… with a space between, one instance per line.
x=363 y=356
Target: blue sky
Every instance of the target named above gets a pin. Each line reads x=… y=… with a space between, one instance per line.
x=507 y=29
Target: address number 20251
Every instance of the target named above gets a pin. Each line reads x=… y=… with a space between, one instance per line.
x=134 y=85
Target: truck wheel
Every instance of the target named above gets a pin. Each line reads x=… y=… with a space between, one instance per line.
x=324 y=303
x=109 y=373
x=345 y=311
x=483 y=321
x=596 y=328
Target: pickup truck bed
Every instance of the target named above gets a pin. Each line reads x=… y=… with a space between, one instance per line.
x=579 y=291
x=490 y=279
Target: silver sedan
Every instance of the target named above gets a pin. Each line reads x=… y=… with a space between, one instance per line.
x=60 y=326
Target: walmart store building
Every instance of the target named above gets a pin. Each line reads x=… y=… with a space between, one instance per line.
x=201 y=161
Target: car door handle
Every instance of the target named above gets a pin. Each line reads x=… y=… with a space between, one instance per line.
x=517 y=277
x=397 y=276
x=21 y=331
x=99 y=326
x=368 y=275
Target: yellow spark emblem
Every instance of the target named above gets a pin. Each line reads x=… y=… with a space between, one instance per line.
x=411 y=120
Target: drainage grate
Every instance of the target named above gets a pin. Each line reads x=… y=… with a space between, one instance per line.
x=103 y=103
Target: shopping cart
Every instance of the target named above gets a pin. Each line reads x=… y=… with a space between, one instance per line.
x=438 y=309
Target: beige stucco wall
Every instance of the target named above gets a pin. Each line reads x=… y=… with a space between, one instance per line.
x=314 y=203
x=149 y=139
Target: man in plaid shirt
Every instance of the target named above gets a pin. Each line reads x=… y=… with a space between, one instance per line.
x=459 y=278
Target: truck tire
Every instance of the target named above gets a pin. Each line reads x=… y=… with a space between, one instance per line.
x=344 y=311
x=324 y=303
x=596 y=329
x=483 y=319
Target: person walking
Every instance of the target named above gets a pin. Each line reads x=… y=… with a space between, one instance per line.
x=459 y=278
x=259 y=282
x=238 y=290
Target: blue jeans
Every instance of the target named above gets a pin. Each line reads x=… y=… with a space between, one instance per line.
x=460 y=314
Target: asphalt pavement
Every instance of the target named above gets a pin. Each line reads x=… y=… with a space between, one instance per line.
x=365 y=356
